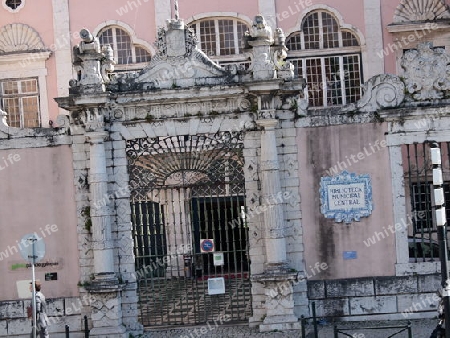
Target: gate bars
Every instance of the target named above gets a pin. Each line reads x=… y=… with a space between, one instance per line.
x=186 y=189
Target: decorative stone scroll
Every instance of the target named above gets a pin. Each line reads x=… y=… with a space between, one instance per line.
x=346 y=197
x=381 y=91
x=426 y=72
x=421 y=10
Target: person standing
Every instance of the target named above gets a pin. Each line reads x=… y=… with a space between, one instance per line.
x=41 y=312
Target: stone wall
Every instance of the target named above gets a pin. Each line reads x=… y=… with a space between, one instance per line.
x=375 y=298
x=61 y=312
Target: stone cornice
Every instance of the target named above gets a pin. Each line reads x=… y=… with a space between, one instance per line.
x=25 y=58
x=417 y=26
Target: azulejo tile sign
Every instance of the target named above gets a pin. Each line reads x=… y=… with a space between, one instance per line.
x=346 y=197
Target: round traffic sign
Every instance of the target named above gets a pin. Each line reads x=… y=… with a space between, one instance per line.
x=207 y=245
x=32 y=246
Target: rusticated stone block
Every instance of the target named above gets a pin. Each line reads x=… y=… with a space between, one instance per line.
x=429 y=283
x=350 y=287
x=14 y=309
x=373 y=305
x=316 y=289
x=332 y=308
x=18 y=326
x=408 y=304
x=395 y=285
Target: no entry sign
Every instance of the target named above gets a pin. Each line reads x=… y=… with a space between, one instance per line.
x=207 y=245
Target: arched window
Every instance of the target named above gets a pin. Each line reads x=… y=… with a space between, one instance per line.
x=125 y=52
x=329 y=57
x=220 y=39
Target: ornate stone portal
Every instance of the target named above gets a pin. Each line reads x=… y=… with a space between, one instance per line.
x=221 y=100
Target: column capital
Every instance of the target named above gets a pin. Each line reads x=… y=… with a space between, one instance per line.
x=268 y=124
x=96 y=137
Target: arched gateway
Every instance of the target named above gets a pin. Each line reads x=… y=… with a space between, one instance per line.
x=184 y=193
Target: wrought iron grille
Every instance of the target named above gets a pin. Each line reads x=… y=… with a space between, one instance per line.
x=417 y=166
x=186 y=189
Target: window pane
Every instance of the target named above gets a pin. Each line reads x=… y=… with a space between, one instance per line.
x=106 y=38
x=13 y=4
x=226 y=34
x=241 y=29
x=10 y=87
x=123 y=47
x=311 y=31
x=12 y=108
x=294 y=42
x=30 y=111
x=330 y=31
x=349 y=39
x=29 y=86
x=334 y=88
x=352 y=78
x=314 y=81
x=142 y=55
x=208 y=37
x=298 y=68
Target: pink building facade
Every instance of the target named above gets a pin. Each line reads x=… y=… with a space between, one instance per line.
x=191 y=155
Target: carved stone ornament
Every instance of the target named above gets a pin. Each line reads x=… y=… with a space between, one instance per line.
x=421 y=10
x=261 y=30
x=426 y=72
x=18 y=37
x=92 y=63
x=380 y=92
x=179 y=63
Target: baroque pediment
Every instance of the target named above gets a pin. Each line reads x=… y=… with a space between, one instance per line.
x=179 y=63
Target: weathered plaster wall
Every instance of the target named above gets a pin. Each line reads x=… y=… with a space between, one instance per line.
x=37 y=190
x=325 y=240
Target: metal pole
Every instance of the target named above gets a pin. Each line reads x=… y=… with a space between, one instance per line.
x=316 y=334
x=86 y=327
x=441 y=224
x=33 y=282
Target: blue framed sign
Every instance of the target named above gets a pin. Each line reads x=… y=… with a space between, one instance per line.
x=346 y=197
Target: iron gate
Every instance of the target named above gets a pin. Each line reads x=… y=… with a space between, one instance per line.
x=418 y=173
x=185 y=190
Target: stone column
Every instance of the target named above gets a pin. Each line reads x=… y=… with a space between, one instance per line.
x=100 y=217
x=106 y=309
x=271 y=192
x=277 y=277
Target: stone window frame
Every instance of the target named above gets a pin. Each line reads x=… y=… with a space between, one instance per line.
x=324 y=54
x=135 y=42
x=29 y=61
x=20 y=96
x=9 y=9
x=240 y=58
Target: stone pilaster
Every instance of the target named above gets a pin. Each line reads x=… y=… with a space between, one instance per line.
x=271 y=188
x=105 y=289
x=277 y=277
x=101 y=222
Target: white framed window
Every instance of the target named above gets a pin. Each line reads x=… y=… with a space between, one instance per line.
x=13 y=6
x=220 y=38
x=20 y=98
x=125 y=51
x=329 y=57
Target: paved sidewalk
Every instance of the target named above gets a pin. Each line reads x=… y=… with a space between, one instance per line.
x=420 y=329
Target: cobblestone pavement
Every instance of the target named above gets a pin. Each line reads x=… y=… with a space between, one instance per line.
x=420 y=329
